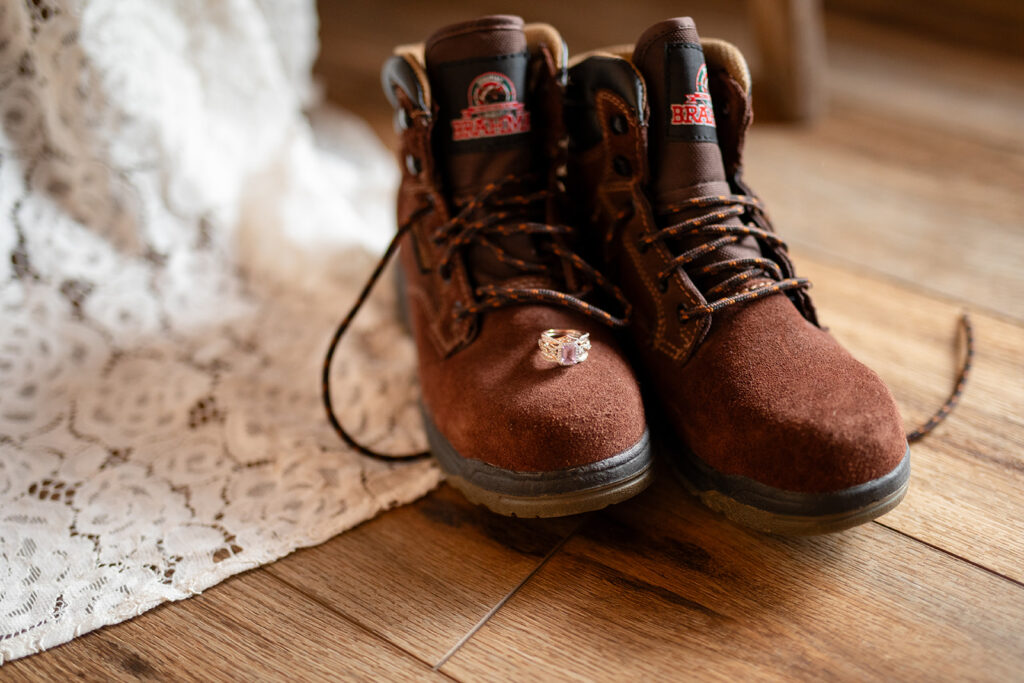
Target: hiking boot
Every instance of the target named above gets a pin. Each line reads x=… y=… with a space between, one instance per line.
x=769 y=420
x=526 y=424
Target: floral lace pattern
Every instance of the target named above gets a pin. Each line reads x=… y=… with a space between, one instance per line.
x=176 y=244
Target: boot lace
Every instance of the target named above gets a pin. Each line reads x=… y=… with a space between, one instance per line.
x=728 y=292
x=490 y=215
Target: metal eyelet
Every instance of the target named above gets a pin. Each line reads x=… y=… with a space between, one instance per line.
x=621 y=166
x=412 y=164
x=618 y=124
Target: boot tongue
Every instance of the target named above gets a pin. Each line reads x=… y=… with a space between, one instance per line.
x=478 y=76
x=684 y=154
x=685 y=158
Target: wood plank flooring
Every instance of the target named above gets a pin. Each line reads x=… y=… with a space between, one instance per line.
x=903 y=213
x=251 y=627
x=655 y=588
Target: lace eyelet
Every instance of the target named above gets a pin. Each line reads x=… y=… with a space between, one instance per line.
x=445 y=273
x=621 y=166
x=662 y=286
x=642 y=246
x=618 y=124
x=413 y=165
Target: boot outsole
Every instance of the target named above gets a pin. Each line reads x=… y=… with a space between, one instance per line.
x=559 y=493
x=787 y=513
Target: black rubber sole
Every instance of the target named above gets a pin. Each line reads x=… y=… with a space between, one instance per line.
x=545 y=494
x=788 y=513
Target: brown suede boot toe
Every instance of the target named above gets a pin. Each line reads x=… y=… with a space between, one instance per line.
x=508 y=407
x=771 y=425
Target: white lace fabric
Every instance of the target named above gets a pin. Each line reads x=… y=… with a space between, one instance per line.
x=176 y=245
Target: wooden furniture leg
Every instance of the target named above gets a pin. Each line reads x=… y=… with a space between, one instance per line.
x=791 y=39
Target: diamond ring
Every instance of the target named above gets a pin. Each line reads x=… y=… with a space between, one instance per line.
x=565 y=347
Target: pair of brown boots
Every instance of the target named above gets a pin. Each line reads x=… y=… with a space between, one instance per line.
x=546 y=206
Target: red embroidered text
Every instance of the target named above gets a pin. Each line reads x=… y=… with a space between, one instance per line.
x=493 y=110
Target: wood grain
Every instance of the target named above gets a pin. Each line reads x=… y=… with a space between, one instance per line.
x=941 y=214
x=902 y=179
x=967 y=490
x=926 y=83
x=423 y=575
x=251 y=627
x=659 y=588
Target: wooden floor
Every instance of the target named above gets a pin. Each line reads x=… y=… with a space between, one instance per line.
x=905 y=206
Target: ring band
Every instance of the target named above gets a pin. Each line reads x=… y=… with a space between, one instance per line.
x=565 y=347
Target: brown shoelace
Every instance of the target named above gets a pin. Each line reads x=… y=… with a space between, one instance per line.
x=745 y=269
x=464 y=230
x=958 y=386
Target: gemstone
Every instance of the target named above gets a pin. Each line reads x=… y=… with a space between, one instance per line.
x=569 y=353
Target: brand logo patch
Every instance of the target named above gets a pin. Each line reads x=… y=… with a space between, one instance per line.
x=494 y=109
x=691 y=114
x=697 y=109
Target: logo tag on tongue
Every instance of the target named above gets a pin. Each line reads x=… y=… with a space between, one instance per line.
x=691 y=114
x=491 y=110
